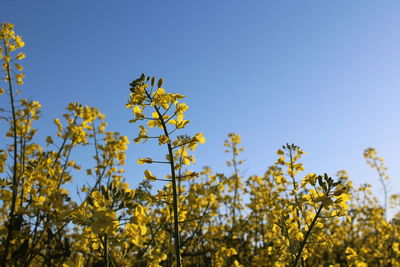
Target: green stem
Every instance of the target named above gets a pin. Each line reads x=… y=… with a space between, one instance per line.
x=106 y=259
x=236 y=188
x=174 y=188
x=382 y=180
x=304 y=242
x=15 y=177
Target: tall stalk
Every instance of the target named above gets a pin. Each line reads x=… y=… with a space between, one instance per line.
x=304 y=242
x=174 y=188
x=15 y=160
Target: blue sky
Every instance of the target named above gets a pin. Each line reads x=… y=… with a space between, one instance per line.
x=321 y=74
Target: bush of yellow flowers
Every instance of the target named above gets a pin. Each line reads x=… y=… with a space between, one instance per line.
x=280 y=218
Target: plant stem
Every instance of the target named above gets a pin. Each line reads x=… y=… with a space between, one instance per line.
x=14 y=177
x=304 y=242
x=174 y=189
x=382 y=180
x=236 y=188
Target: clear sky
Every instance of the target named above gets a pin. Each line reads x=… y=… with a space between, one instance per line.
x=321 y=74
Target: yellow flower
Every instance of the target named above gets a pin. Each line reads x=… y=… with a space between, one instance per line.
x=149 y=176
x=199 y=138
x=19 y=67
x=163 y=139
x=310 y=178
x=104 y=222
x=49 y=140
x=20 y=56
x=144 y=160
x=19 y=42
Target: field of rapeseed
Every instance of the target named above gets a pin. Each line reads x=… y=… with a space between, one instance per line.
x=184 y=218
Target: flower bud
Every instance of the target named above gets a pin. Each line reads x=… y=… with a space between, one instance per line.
x=160 y=82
